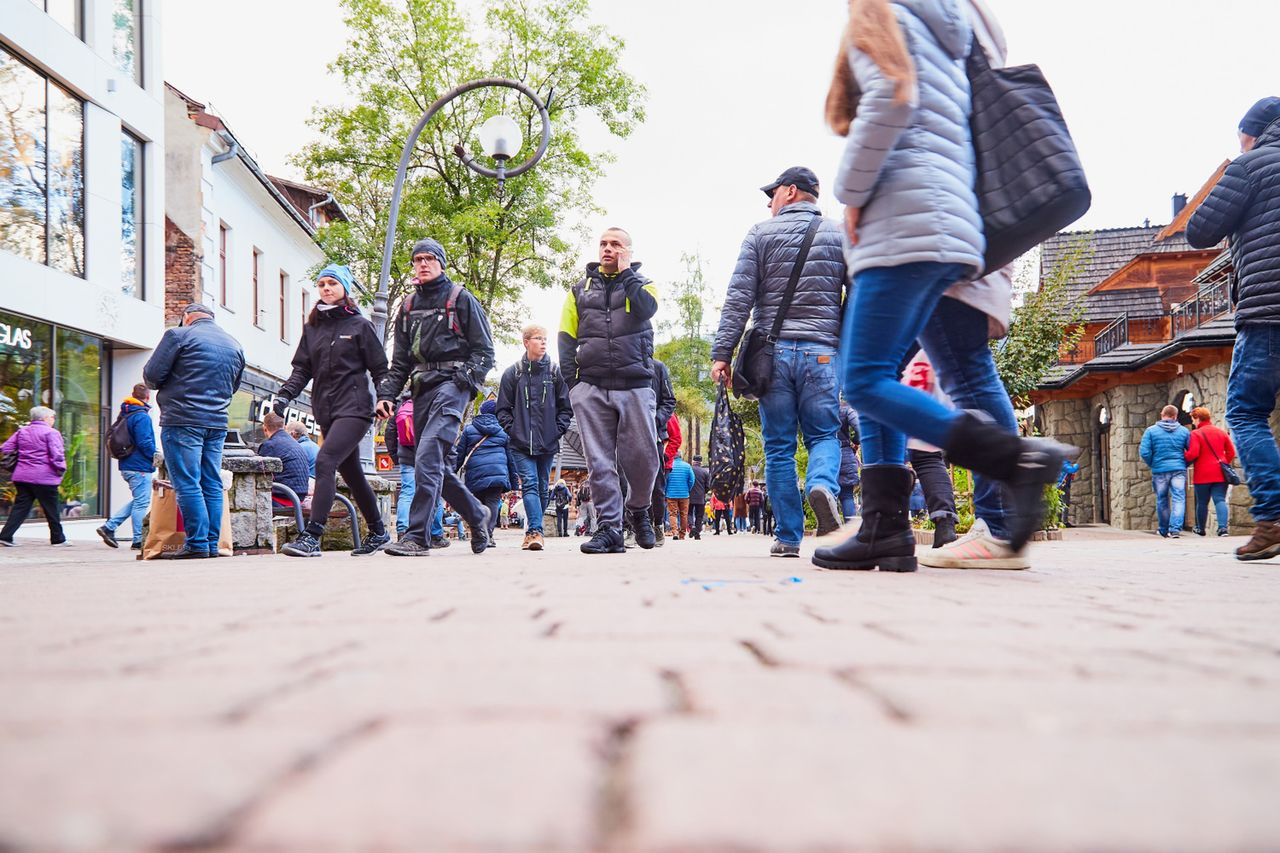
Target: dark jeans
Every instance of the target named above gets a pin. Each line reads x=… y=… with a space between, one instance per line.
x=935 y=480
x=658 y=504
x=1216 y=492
x=848 y=503
x=193 y=457
x=725 y=515
x=491 y=498
x=28 y=495
x=753 y=513
x=697 y=512
x=562 y=520
x=534 y=473
x=1251 y=398
x=340 y=454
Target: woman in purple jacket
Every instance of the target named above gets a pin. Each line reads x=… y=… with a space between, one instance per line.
x=41 y=464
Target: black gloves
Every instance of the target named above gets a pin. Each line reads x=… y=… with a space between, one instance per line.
x=279 y=406
x=462 y=379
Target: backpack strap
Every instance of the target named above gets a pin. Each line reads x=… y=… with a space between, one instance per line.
x=450 y=309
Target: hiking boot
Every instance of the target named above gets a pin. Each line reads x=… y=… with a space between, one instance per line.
x=1263 y=545
x=884 y=540
x=628 y=538
x=643 y=528
x=528 y=540
x=944 y=531
x=1024 y=465
x=607 y=540
x=535 y=540
x=108 y=536
x=372 y=544
x=407 y=548
x=480 y=531
x=783 y=549
x=977 y=549
x=440 y=542
x=826 y=509
x=659 y=536
x=305 y=545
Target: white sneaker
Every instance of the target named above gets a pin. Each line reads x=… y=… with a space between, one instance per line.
x=977 y=549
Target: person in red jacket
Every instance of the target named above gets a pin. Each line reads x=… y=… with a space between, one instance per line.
x=1209 y=448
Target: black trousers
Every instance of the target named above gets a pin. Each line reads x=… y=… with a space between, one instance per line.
x=562 y=520
x=658 y=506
x=727 y=515
x=753 y=513
x=935 y=480
x=697 y=512
x=340 y=454
x=437 y=420
x=492 y=498
x=28 y=495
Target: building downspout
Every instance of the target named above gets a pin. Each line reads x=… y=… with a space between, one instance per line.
x=233 y=148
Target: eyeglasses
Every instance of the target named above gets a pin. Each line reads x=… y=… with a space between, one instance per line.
x=538 y=338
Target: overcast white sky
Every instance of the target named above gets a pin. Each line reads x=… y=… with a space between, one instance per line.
x=1152 y=90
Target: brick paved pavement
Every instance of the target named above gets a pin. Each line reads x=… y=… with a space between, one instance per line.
x=1124 y=695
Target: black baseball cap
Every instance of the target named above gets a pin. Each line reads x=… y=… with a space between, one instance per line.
x=802 y=178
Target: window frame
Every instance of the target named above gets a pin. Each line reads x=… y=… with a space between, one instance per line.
x=257 y=292
x=284 y=317
x=140 y=188
x=224 y=277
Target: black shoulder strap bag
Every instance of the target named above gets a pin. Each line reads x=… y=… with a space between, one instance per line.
x=753 y=365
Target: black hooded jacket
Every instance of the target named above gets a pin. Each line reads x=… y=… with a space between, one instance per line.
x=533 y=406
x=1244 y=206
x=338 y=354
x=425 y=342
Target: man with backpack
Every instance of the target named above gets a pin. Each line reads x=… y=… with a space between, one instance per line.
x=534 y=411
x=443 y=348
x=132 y=440
x=606 y=356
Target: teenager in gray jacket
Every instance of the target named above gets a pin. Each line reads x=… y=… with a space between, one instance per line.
x=911 y=217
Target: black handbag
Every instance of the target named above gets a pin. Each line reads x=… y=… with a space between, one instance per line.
x=753 y=364
x=1229 y=473
x=1030 y=182
x=727 y=449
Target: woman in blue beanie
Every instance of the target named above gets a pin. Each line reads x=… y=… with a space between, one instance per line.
x=338 y=354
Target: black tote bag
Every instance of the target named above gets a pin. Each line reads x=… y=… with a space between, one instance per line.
x=727 y=449
x=1030 y=183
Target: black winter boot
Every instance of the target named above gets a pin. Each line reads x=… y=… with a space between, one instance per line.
x=1024 y=465
x=944 y=531
x=885 y=540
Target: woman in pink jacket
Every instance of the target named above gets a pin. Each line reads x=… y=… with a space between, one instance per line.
x=41 y=464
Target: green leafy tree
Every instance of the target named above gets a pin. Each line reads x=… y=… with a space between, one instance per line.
x=688 y=353
x=402 y=55
x=1046 y=324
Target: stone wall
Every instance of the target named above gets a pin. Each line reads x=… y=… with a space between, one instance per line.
x=1133 y=408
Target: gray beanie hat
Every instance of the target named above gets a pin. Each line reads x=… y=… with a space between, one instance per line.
x=427 y=246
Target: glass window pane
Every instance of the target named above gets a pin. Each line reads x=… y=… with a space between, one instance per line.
x=26 y=379
x=65 y=12
x=79 y=408
x=127 y=25
x=22 y=159
x=66 y=181
x=131 y=215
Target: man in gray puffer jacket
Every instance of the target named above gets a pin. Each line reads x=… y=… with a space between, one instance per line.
x=803 y=389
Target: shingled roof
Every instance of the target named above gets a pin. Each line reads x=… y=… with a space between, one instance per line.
x=1108 y=250
x=1144 y=302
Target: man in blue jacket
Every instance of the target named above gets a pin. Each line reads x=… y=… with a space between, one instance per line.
x=680 y=482
x=1244 y=208
x=137 y=468
x=196 y=368
x=1163 y=447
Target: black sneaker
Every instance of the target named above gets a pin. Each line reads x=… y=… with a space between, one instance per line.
x=826 y=509
x=185 y=553
x=782 y=549
x=407 y=548
x=305 y=545
x=108 y=536
x=480 y=532
x=607 y=540
x=440 y=542
x=643 y=528
x=372 y=543
x=137 y=546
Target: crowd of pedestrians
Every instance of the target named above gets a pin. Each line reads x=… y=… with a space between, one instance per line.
x=876 y=357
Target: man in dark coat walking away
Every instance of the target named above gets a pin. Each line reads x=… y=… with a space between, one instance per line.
x=1244 y=208
x=606 y=356
x=196 y=368
x=698 y=497
x=444 y=349
x=533 y=408
x=138 y=468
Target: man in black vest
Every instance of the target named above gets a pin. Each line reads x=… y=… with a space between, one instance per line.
x=443 y=347
x=606 y=356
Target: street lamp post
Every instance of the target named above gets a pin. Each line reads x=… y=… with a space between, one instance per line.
x=501 y=139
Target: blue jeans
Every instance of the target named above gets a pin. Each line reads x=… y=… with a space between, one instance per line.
x=891 y=308
x=534 y=473
x=136 y=508
x=1216 y=492
x=193 y=456
x=848 y=503
x=955 y=339
x=1171 y=499
x=804 y=394
x=409 y=485
x=1251 y=397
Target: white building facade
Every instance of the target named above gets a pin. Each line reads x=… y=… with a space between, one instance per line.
x=82 y=252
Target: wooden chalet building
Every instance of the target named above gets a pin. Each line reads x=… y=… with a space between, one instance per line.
x=1159 y=330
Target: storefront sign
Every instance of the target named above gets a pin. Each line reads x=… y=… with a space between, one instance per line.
x=14 y=337
x=261 y=407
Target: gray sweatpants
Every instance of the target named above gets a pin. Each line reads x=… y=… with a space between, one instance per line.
x=618 y=437
x=437 y=420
